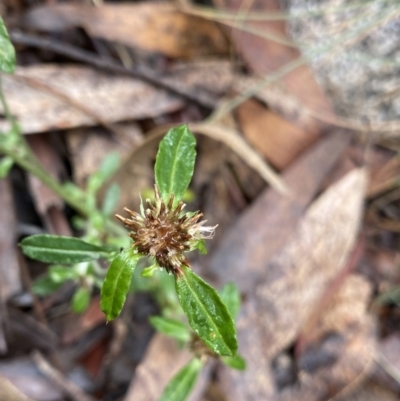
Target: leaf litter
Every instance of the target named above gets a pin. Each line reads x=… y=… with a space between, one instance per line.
x=304 y=336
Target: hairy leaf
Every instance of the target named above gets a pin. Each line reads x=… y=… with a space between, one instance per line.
x=171 y=327
x=7 y=51
x=175 y=162
x=117 y=282
x=179 y=388
x=207 y=314
x=57 y=249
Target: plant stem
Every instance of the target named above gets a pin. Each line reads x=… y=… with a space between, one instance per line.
x=6 y=109
x=25 y=161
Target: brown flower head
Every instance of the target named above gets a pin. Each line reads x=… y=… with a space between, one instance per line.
x=165 y=233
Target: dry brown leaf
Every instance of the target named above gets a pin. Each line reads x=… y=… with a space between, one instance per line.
x=156 y=27
x=277 y=139
x=340 y=350
x=296 y=280
x=248 y=247
x=298 y=276
x=264 y=228
x=93 y=98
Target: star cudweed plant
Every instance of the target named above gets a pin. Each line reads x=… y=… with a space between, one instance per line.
x=162 y=232
x=165 y=233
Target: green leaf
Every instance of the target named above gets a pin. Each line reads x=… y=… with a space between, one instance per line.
x=149 y=271
x=179 y=388
x=7 y=51
x=171 y=327
x=107 y=168
x=111 y=199
x=201 y=247
x=109 y=165
x=80 y=300
x=235 y=362
x=5 y=165
x=175 y=162
x=60 y=274
x=230 y=296
x=44 y=286
x=117 y=282
x=57 y=249
x=207 y=314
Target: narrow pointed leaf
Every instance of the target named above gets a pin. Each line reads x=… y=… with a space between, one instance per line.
x=58 y=249
x=7 y=51
x=179 y=388
x=149 y=271
x=230 y=296
x=175 y=162
x=117 y=282
x=111 y=199
x=171 y=327
x=80 y=300
x=235 y=362
x=207 y=314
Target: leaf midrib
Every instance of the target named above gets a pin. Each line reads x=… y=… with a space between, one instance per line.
x=209 y=317
x=174 y=165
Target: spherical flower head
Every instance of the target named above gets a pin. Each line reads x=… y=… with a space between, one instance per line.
x=163 y=231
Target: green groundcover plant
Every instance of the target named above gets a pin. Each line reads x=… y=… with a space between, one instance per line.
x=155 y=243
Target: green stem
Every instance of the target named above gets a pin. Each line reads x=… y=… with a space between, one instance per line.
x=6 y=109
x=26 y=161
x=22 y=155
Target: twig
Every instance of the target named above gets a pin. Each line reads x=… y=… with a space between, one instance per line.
x=236 y=142
x=217 y=15
x=59 y=379
x=141 y=72
x=388 y=367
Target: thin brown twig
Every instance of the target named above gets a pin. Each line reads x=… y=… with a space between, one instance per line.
x=59 y=379
x=140 y=72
